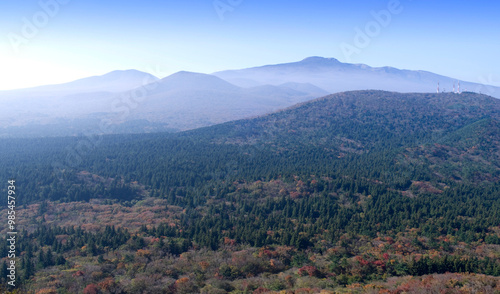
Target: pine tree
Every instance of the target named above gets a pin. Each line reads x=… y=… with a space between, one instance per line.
x=49 y=258
x=28 y=269
x=4 y=272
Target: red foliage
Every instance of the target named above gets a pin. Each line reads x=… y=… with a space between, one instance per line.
x=78 y=274
x=91 y=289
x=379 y=263
x=107 y=284
x=294 y=195
x=261 y=290
x=362 y=261
x=230 y=242
x=308 y=270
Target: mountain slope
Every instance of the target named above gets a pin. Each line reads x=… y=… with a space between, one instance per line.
x=385 y=137
x=379 y=113
x=187 y=100
x=183 y=80
x=355 y=187
x=401 y=137
x=115 y=81
x=335 y=76
x=375 y=123
x=136 y=102
x=184 y=100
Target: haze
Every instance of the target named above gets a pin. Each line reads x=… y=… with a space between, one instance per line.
x=77 y=39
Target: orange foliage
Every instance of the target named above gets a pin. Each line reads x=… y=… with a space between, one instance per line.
x=78 y=274
x=107 y=284
x=204 y=265
x=143 y=252
x=230 y=242
x=182 y=281
x=47 y=291
x=355 y=286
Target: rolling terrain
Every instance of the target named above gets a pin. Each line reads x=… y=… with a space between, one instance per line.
x=136 y=102
x=360 y=191
x=335 y=76
x=131 y=101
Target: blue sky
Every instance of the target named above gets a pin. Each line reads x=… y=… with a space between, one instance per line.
x=75 y=38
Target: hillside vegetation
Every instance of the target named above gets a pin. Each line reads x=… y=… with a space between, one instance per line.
x=357 y=192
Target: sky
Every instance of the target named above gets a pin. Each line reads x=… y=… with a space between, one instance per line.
x=55 y=41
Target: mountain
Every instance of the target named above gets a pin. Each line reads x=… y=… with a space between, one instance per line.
x=446 y=137
x=460 y=131
x=137 y=102
x=188 y=100
x=378 y=136
x=183 y=81
x=305 y=87
x=361 y=190
x=65 y=109
x=184 y=100
x=115 y=81
x=335 y=76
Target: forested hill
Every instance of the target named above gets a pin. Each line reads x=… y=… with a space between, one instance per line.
x=392 y=137
x=351 y=188
x=368 y=119
x=456 y=136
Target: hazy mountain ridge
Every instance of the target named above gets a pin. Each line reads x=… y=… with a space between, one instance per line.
x=115 y=81
x=139 y=102
x=335 y=76
x=184 y=100
x=190 y=100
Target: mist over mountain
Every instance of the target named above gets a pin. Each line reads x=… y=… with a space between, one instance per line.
x=64 y=109
x=335 y=76
x=115 y=81
x=188 y=100
x=184 y=81
x=184 y=100
x=137 y=102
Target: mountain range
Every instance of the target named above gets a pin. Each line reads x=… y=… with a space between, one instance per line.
x=137 y=102
x=362 y=188
x=335 y=76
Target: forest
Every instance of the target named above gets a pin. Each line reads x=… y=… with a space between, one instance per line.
x=356 y=192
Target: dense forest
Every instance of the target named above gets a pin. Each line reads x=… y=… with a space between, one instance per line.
x=357 y=192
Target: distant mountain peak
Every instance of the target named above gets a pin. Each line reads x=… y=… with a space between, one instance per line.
x=114 y=81
x=319 y=59
x=184 y=73
x=186 y=80
x=192 y=75
x=335 y=76
x=128 y=72
x=131 y=74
